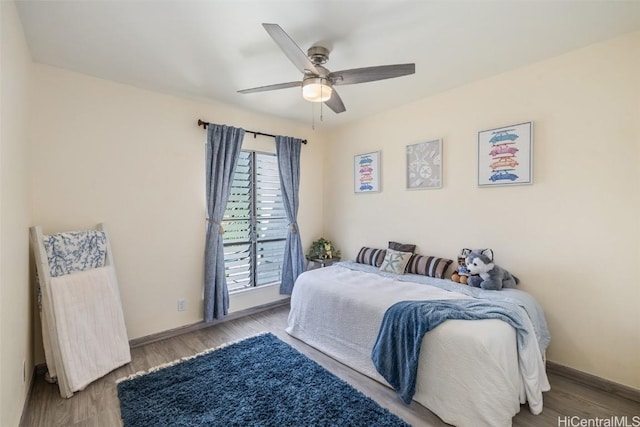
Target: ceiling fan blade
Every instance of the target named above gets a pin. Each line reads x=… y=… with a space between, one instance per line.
x=271 y=87
x=290 y=48
x=335 y=103
x=370 y=74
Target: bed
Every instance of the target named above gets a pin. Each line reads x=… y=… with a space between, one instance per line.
x=470 y=373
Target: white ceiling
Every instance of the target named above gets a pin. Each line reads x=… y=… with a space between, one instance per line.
x=211 y=49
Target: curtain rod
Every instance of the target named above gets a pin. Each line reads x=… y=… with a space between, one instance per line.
x=205 y=124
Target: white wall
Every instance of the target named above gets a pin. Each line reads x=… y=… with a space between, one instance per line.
x=16 y=345
x=134 y=159
x=572 y=237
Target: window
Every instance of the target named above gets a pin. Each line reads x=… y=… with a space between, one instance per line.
x=255 y=223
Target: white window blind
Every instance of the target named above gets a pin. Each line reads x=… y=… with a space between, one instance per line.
x=255 y=223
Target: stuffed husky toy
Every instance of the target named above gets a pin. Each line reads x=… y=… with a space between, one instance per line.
x=487 y=275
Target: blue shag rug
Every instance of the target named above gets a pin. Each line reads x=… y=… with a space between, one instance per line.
x=260 y=381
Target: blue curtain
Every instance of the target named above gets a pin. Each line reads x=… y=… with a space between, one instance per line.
x=288 y=150
x=223 y=150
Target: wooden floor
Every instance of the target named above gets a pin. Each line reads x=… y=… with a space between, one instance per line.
x=98 y=404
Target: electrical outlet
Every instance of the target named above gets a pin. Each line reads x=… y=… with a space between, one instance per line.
x=182 y=304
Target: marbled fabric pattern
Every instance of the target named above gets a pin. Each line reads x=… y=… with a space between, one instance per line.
x=75 y=251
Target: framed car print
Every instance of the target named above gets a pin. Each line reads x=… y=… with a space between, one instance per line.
x=366 y=172
x=505 y=155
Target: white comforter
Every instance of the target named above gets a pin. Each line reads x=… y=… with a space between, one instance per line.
x=89 y=322
x=470 y=373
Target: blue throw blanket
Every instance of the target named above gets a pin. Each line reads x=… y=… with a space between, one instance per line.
x=510 y=296
x=397 y=348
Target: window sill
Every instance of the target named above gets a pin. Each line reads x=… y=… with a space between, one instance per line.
x=254 y=288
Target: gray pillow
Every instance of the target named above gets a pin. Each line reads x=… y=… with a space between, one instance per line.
x=402 y=247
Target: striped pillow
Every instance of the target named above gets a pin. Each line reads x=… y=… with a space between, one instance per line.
x=371 y=256
x=428 y=266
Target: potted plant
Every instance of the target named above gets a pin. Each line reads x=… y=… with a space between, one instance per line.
x=323 y=249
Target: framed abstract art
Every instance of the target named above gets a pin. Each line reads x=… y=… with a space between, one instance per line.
x=424 y=165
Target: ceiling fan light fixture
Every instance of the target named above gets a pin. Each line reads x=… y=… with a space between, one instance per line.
x=316 y=89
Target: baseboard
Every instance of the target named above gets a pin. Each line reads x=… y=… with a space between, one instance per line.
x=148 y=339
x=590 y=380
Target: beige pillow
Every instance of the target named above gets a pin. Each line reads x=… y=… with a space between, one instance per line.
x=395 y=261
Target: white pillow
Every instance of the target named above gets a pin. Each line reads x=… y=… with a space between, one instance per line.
x=395 y=261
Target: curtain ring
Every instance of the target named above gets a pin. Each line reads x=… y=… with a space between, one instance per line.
x=293 y=228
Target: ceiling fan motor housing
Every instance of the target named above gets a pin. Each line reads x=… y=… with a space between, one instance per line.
x=318 y=54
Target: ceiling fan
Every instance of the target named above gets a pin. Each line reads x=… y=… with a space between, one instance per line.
x=317 y=82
